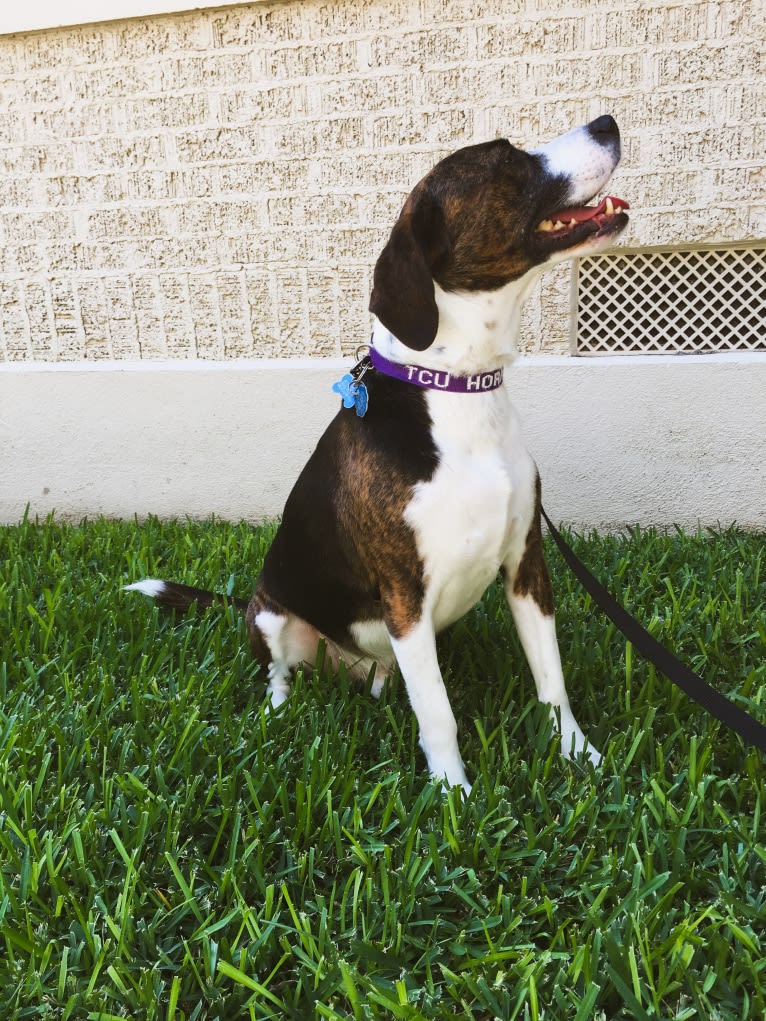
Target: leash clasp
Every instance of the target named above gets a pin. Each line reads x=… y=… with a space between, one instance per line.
x=363 y=363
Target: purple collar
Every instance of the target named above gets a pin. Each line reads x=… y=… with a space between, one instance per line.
x=437 y=379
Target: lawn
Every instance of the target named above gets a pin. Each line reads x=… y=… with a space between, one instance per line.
x=167 y=851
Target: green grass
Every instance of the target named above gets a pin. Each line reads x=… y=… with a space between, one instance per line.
x=166 y=851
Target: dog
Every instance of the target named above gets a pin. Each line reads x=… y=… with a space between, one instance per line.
x=421 y=491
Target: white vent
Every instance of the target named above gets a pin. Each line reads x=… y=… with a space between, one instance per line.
x=699 y=300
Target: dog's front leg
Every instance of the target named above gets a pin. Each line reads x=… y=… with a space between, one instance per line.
x=530 y=597
x=415 y=653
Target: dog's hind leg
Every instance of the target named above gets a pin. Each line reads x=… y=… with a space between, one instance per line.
x=280 y=641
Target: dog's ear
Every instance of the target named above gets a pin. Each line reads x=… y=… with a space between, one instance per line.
x=403 y=295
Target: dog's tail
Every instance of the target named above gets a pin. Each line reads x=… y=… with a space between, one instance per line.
x=180 y=597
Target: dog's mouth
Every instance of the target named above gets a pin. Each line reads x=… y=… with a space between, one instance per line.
x=569 y=227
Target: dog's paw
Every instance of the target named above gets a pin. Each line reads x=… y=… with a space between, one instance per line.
x=446 y=784
x=593 y=754
x=378 y=685
x=574 y=742
x=451 y=774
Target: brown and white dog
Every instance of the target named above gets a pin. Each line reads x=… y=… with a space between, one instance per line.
x=402 y=518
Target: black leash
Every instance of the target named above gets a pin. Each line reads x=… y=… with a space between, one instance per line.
x=679 y=673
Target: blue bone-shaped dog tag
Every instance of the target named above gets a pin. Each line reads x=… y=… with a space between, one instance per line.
x=354 y=394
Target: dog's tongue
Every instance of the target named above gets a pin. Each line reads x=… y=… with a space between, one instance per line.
x=609 y=205
x=571 y=217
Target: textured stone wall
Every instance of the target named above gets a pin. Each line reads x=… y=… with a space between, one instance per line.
x=217 y=184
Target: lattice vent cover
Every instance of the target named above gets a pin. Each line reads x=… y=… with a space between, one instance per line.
x=673 y=301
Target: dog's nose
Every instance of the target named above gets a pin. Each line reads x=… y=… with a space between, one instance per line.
x=604 y=129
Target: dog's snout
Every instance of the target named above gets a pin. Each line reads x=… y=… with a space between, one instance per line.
x=604 y=130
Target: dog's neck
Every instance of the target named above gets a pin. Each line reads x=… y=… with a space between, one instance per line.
x=477 y=330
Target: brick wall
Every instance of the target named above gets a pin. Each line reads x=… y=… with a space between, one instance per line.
x=217 y=184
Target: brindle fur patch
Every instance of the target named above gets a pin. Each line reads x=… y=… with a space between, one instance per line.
x=371 y=507
x=532 y=578
x=344 y=553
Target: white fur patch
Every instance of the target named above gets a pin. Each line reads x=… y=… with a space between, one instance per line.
x=372 y=638
x=477 y=330
x=149 y=587
x=477 y=506
x=578 y=156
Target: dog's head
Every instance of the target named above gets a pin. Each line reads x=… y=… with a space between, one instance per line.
x=490 y=213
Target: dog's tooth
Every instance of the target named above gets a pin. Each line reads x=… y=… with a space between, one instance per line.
x=572 y=222
x=609 y=207
x=558 y=225
x=545 y=225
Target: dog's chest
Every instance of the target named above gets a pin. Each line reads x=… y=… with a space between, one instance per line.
x=466 y=517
